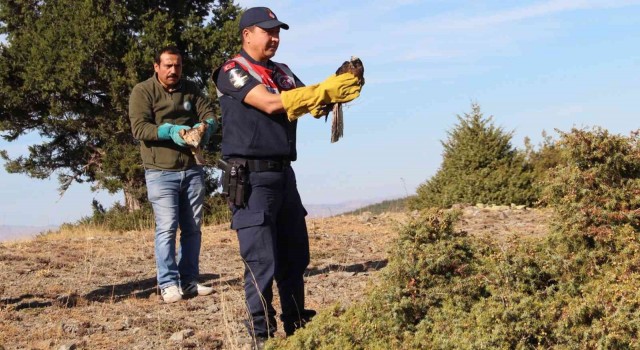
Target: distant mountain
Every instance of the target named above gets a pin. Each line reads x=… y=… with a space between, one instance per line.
x=327 y=210
x=12 y=232
x=386 y=206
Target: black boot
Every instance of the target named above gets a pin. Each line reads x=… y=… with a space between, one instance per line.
x=291 y=323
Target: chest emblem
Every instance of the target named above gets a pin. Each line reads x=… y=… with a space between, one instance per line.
x=285 y=82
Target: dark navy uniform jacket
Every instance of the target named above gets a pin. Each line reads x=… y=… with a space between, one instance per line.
x=249 y=132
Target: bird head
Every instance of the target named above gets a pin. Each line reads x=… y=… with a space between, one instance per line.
x=353 y=66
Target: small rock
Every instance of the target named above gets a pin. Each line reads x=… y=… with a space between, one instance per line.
x=365 y=217
x=68 y=346
x=71 y=327
x=182 y=335
x=67 y=300
x=126 y=323
x=42 y=344
x=471 y=210
x=497 y=207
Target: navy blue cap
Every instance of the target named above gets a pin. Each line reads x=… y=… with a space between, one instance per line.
x=262 y=17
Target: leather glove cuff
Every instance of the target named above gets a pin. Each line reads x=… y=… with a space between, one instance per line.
x=169 y=131
x=212 y=127
x=164 y=131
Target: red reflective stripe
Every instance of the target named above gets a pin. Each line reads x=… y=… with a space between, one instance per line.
x=264 y=73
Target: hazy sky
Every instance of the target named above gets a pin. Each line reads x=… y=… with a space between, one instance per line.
x=532 y=65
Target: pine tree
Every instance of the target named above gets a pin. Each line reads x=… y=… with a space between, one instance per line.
x=67 y=69
x=479 y=166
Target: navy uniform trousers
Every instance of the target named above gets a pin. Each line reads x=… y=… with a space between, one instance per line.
x=274 y=244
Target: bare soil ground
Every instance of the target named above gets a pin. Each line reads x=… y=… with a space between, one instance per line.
x=97 y=290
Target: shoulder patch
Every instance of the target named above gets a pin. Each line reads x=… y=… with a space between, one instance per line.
x=228 y=66
x=238 y=77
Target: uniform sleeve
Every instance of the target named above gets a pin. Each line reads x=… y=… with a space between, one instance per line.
x=233 y=80
x=299 y=82
x=143 y=126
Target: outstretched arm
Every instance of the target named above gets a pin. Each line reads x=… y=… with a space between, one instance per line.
x=299 y=101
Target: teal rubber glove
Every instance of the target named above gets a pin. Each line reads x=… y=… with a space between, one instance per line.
x=212 y=127
x=168 y=131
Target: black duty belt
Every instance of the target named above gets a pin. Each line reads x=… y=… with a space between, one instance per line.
x=258 y=165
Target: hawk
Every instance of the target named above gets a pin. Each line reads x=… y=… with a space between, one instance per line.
x=193 y=137
x=355 y=67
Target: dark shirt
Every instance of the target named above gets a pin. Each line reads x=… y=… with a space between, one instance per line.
x=247 y=131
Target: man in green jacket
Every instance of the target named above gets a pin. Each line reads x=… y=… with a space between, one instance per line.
x=159 y=108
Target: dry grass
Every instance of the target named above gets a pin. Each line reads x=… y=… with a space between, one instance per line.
x=97 y=289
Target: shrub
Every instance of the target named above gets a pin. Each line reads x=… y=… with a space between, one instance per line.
x=216 y=210
x=576 y=289
x=430 y=266
x=478 y=165
x=117 y=218
x=541 y=159
x=598 y=187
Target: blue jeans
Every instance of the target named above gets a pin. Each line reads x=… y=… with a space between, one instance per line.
x=177 y=198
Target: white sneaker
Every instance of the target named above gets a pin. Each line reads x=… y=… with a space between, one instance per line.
x=171 y=294
x=194 y=288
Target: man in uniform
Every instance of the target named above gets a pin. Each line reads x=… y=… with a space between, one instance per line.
x=159 y=108
x=261 y=101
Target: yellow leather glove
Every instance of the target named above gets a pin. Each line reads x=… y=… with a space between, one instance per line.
x=319 y=112
x=336 y=88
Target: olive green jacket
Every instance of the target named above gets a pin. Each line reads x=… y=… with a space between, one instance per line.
x=150 y=106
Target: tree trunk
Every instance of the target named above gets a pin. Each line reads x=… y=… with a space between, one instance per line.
x=131 y=201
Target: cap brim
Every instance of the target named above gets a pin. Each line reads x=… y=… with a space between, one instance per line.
x=272 y=24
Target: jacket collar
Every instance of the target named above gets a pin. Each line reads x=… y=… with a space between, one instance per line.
x=269 y=64
x=157 y=82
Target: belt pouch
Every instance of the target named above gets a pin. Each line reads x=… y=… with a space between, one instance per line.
x=238 y=179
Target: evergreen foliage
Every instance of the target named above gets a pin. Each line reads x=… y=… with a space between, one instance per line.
x=575 y=289
x=67 y=69
x=595 y=195
x=598 y=188
x=479 y=165
x=547 y=156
